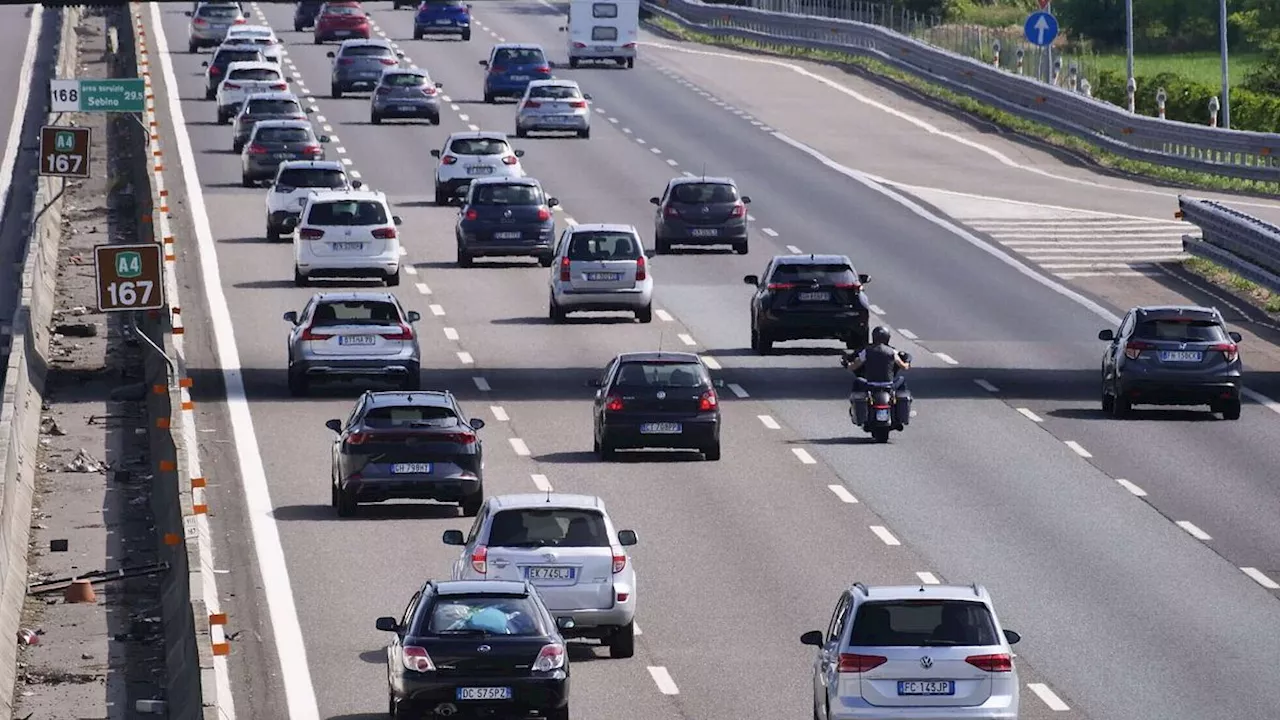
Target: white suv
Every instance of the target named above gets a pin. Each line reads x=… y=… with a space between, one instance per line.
x=346 y=233
x=244 y=79
x=470 y=155
x=914 y=651
x=567 y=547
x=294 y=181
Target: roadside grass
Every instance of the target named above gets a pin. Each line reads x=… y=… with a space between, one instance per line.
x=1204 y=67
x=1222 y=277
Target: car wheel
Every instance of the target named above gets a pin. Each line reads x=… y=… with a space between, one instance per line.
x=851 y=342
x=375 y=119
x=318 y=41
x=1122 y=406
x=545 y=260
x=622 y=643
x=595 y=444
x=608 y=452
x=333 y=495
x=393 y=280
x=335 y=92
x=471 y=504
x=222 y=118
x=297 y=27
x=272 y=234
x=645 y=314
x=631 y=62
x=210 y=94
x=435 y=119
x=298 y=385
x=763 y=344
x=712 y=452
x=573 y=62
x=417 y=35
x=464 y=257
x=521 y=132
x=192 y=48
x=558 y=713
x=347 y=504
x=237 y=147
x=299 y=279
x=554 y=312
x=488 y=97
x=246 y=181
x=413 y=381
x=662 y=246
x=584 y=134
x=741 y=248
x=441 y=198
x=1108 y=402
x=880 y=435
x=1231 y=409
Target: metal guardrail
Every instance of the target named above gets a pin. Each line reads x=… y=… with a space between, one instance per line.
x=1233 y=153
x=1243 y=244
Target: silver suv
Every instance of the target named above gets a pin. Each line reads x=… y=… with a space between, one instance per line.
x=352 y=335
x=565 y=545
x=914 y=651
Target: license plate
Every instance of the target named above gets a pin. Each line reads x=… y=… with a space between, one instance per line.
x=340 y=33
x=815 y=296
x=282 y=156
x=603 y=48
x=1180 y=356
x=348 y=246
x=506 y=236
x=444 y=22
x=484 y=693
x=556 y=119
x=882 y=416
x=550 y=573
x=356 y=340
x=519 y=77
x=926 y=687
x=411 y=469
x=404 y=108
x=604 y=276
x=660 y=429
x=704 y=232
x=479 y=170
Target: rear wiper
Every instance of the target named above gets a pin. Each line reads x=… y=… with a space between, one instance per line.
x=521 y=545
x=465 y=631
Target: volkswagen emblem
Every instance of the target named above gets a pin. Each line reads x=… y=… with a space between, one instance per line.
x=484 y=648
x=506 y=213
x=1182 y=346
x=662 y=395
x=550 y=557
x=705 y=209
x=926 y=662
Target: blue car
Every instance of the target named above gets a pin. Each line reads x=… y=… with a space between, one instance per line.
x=511 y=67
x=443 y=17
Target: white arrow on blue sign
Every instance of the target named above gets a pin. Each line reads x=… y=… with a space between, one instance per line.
x=1041 y=28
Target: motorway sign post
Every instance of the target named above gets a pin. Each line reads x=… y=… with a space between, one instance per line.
x=1041 y=28
x=129 y=277
x=64 y=151
x=127 y=95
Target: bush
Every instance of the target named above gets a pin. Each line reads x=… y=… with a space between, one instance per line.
x=1189 y=101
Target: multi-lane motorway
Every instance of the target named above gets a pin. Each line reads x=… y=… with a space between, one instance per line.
x=1124 y=613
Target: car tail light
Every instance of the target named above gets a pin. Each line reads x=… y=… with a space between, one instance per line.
x=256 y=149
x=472 y=215
x=239 y=21
x=357 y=438
x=215 y=70
x=390 y=61
x=780 y=286
x=404 y=334
x=310 y=234
x=383 y=90
x=459 y=438
x=642 y=269
x=1228 y=350
x=629 y=46
x=230 y=85
x=480 y=560
x=510 y=160
x=385 y=233
x=579 y=45
x=1000 y=662
x=448 y=160
x=416 y=659
x=497 y=69
x=532 y=104
x=551 y=657
x=619 y=561
x=738 y=210
x=671 y=212
x=543 y=214
x=614 y=404
x=564 y=270
x=622 y=597
x=201 y=22
x=312 y=150
x=848 y=286
x=879 y=407
x=279 y=86
x=1134 y=348
x=310 y=334
x=346 y=61
x=428 y=90
x=542 y=69
x=708 y=401
x=854 y=663
x=578 y=104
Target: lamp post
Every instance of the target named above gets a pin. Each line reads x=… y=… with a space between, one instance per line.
x=1226 y=76
x=1128 y=48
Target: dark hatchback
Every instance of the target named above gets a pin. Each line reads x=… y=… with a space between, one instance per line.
x=359 y=64
x=487 y=648
x=1172 y=355
x=216 y=69
x=407 y=445
x=503 y=217
x=442 y=17
x=264 y=106
x=277 y=141
x=656 y=400
x=809 y=297
x=700 y=211
x=511 y=67
x=305 y=13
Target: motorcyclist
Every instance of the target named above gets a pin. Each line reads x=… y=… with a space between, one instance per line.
x=878 y=363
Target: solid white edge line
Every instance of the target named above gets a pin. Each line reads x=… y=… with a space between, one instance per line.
x=804 y=456
x=1193 y=530
x=1260 y=578
x=711 y=363
x=1077 y=448
x=1131 y=487
x=519 y=446
x=843 y=493
x=769 y=422
x=662 y=679
x=908 y=334
x=481 y=384
x=499 y=413
x=986 y=385
x=928 y=578
x=1048 y=697
x=885 y=536
x=877 y=309
x=1026 y=412
x=14 y=140
x=291 y=650
x=738 y=390
x=541 y=482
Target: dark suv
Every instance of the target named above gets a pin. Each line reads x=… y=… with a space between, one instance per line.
x=1171 y=355
x=410 y=445
x=215 y=70
x=506 y=217
x=704 y=211
x=809 y=297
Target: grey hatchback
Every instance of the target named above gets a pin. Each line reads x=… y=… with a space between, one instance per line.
x=359 y=64
x=353 y=335
x=277 y=141
x=700 y=211
x=405 y=93
x=264 y=106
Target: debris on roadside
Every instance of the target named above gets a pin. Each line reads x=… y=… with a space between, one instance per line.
x=83 y=462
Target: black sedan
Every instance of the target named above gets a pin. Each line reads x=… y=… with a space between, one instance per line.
x=656 y=400
x=809 y=297
x=504 y=217
x=477 y=648
x=410 y=445
x=704 y=211
x=304 y=14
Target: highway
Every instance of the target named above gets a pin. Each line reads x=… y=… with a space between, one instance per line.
x=1119 y=607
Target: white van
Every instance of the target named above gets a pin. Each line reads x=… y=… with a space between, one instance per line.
x=602 y=30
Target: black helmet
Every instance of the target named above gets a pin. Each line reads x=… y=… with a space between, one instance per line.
x=880 y=336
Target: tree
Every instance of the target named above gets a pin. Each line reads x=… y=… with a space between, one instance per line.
x=1260 y=21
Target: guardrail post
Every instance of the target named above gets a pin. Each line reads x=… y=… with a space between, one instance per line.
x=1161 y=97
x=1086 y=88
x=1021 y=54
x=1057 y=71
x=995 y=50
x=1131 y=93
x=1073 y=77
x=1214 y=106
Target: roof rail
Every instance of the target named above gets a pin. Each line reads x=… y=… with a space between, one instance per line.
x=976 y=591
x=862 y=587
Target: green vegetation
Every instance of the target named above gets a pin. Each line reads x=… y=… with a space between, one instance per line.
x=1222 y=277
x=1203 y=68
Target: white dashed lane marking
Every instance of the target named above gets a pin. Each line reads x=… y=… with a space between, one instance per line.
x=437 y=310
x=928 y=578
x=464 y=118
x=481 y=384
x=770 y=232
x=1048 y=697
x=541 y=482
x=1194 y=531
x=908 y=334
x=686 y=339
x=663 y=680
x=473 y=128
x=738 y=390
x=465 y=358
x=640 y=140
x=1026 y=412
x=1261 y=578
x=655 y=151
x=946 y=358
x=499 y=413
x=450 y=333
x=986 y=385
x=885 y=536
x=1131 y=487
x=671 y=162
x=1078 y=449
x=613 y=120
x=710 y=362
x=843 y=493
x=422 y=287
x=793 y=250
x=688 y=174
x=804 y=456
x=518 y=445
x=769 y=422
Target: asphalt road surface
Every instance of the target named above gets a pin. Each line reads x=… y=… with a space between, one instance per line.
x=1124 y=613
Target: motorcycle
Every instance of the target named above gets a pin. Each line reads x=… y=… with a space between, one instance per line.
x=886 y=411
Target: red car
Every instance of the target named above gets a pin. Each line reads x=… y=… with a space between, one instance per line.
x=342 y=21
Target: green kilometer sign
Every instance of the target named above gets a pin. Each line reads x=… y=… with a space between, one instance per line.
x=94 y=95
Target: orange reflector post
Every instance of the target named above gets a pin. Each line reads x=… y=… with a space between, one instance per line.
x=222 y=648
x=218 y=619
x=198 y=482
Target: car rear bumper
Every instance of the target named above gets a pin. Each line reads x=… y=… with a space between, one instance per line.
x=373 y=266
x=429 y=27
x=346 y=83
x=1176 y=391
x=599 y=623
x=696 y=433
x=589 y=300
x=344 y=33
x=393 y=367
x=684 y=234
x=444 y=488
x=421 y=695
x=553 y=122
x=533 y=241
x=591 y=53
x=393 y=109
x=811 y=326
x=209 y=38
x=509 y=87
x=997 y=707
x=265 y=169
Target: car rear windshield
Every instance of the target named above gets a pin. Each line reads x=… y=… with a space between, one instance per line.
x=660 y=374
x=604 y=246
x=703 y=193
x=923 y=623
x=808 y=273
x=218 y=11
x=404 y=80
x=274 y=107
x=548 y=527
x=479 y=146
x=403 y=416
x=254 y=74
x=518 y=56
x=507 y=195
x=226 y=57
x=444 y=3
x=483 y=615
x=367 y=51
x=604 y=33
x=1181 y=330
x=559 y=92
x=356 y=312
x=348 y=212
x=312 y=178
x=282 y=135
x=343 y=10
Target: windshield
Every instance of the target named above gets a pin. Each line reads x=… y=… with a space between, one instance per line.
x=548 y=527
x=507 y=195
x=704 y=193
x=282 y=135
x=410 y=416
x=559 y=92
x=484 y=615
x=254 y=74
x=604 y=10
x=479 y=146
x=312 y=178
x=404 y=80
x=518 y=56
x=356 y=312
x=274 y=107
x=923 y=623
x=661 y=374
x=348 y=213
x=604 y=246
x=226 y=57
x=1181 y=330
x=367 y=51
x=809 y=273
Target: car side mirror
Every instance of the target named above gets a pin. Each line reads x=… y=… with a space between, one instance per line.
x=357 y=184
x=387 y=624
x=289 y=224
x=439 y=86
x=413 y=316
x=746 y=199
x=334 y=425
x=453 y=537
x=187 y=13
x=864 y=278
x=308 y=110
x=329 y=54
x=400 y=55
x=717 y=383
x=552 y=202
x=565 y=623
x=484 y=63
x=291 y=317
x=324 y=138
x=289 y=80
x=593 y=382
x=518 y=153
x=813 y=637
x=1235 y=336
x=271 y=182
x=1012 y=637
x=627 y=538
x=655 y=201
x=395 y=219
x=1107 y=335
x=651 y=253
x=586 y=96
x=435 y=153
x=476 y=423
x=204 y=64
x=751 y=279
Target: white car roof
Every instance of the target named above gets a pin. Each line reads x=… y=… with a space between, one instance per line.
x=555 y=499
x=478 y=135
x=254 y=65
x=283 y=124
x=554 y=82
x=313 y=165
x=362 y=42
x=340 y=195
x=971 y=593
x=251 y=30
x=604 y=227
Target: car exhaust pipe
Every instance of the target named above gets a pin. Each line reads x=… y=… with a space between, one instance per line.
x=446 y=709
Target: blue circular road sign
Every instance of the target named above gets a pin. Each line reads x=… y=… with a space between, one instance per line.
x=1041 y=28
